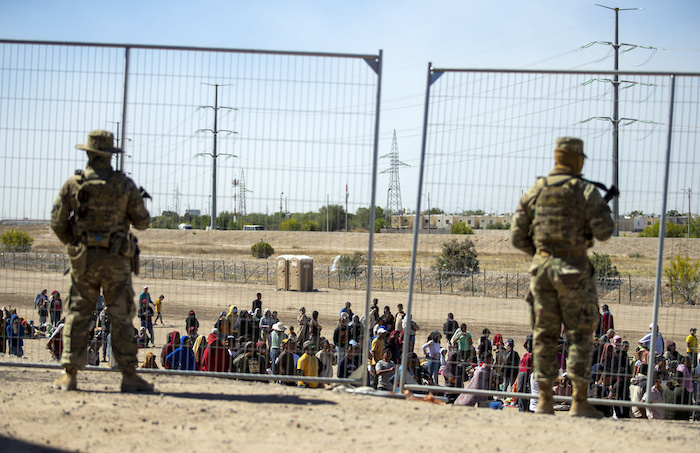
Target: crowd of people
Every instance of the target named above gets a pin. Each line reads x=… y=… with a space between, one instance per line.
x=255 y=341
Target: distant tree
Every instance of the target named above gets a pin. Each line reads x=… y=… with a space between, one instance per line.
x=476 y=212
x=362 y=215
x=336 y=217
x=683 y=277
x=673 y=213
x=16 y=240
x=350 y=265
x=457 y=259
x=636 y=213
x=603 y=266
x=434 y=211
x=261 y=250
x=673 y=230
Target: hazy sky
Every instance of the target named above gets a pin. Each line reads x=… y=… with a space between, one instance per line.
x=450 y=34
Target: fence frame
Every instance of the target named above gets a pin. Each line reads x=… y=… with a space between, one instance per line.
x=375 y=62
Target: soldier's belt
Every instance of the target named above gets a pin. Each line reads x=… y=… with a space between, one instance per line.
x=561 y=253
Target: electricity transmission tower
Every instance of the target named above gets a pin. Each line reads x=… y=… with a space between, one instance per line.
x=393 y=194
x=214 y=154
x=239 y=191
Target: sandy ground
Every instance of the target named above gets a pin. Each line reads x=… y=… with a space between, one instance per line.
x=205 y=414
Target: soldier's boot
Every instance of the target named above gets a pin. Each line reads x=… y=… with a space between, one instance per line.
x=580 y=407
x=132 y=382
x=545 y=403
x=68 y=380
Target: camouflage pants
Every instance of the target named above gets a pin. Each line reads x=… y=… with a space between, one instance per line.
x=113 y=274
x=564 y=293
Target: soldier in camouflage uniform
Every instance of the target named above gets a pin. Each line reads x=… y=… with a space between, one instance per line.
x=92 y=216
x=555 y=223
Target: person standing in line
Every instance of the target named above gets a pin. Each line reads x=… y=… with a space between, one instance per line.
x=555 y=223
x=691 y=347
x=257 y=303
x=92 y=216
x=145 y=298
x=55 y=307
x=158 y=304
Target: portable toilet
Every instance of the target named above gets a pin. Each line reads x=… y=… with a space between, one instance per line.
x=301 y=273
x=283 y=272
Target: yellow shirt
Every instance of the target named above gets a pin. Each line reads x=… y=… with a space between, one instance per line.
x=691 y=343
x=308 y=365
x=157 y=304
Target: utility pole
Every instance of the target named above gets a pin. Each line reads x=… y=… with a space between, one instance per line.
x=347 y=195
x=688 y=191
x=214 y=154
x=120 y=156
x=281 y=210
x=616 y=119
x=428 y=197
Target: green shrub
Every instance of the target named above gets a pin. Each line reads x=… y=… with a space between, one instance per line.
x=457 y=259
x=17 y=240
x=351 y=266
x=461 y=228
x=603 y=266
x=683 y=277
x=262 y=250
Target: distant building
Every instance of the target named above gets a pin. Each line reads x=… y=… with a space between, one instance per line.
x=193 y=212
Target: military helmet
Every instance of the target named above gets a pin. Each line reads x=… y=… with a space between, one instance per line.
x=100 y=142
x=570 y=144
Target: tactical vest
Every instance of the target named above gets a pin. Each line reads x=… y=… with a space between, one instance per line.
x=559 y=215
x=100 y=209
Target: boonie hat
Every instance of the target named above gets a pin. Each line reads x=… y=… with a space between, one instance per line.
x=100 y=142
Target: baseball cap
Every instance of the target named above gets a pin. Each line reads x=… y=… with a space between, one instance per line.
x=353 y=343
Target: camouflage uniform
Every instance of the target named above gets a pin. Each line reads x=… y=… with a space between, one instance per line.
x=555 y=222
x=92 y=216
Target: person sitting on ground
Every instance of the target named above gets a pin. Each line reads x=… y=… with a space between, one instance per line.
x=198 y=346
x=143 y=339
x=385 y=371
x=308 y=365
x=654 y=396
x=55 y=343
x=150 y=361
x=249 y=362
x=482 y=380
x=183 y=357
x=172 y=344
x=638 y=386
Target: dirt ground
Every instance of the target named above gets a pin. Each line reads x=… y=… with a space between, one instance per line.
x=205 y=414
